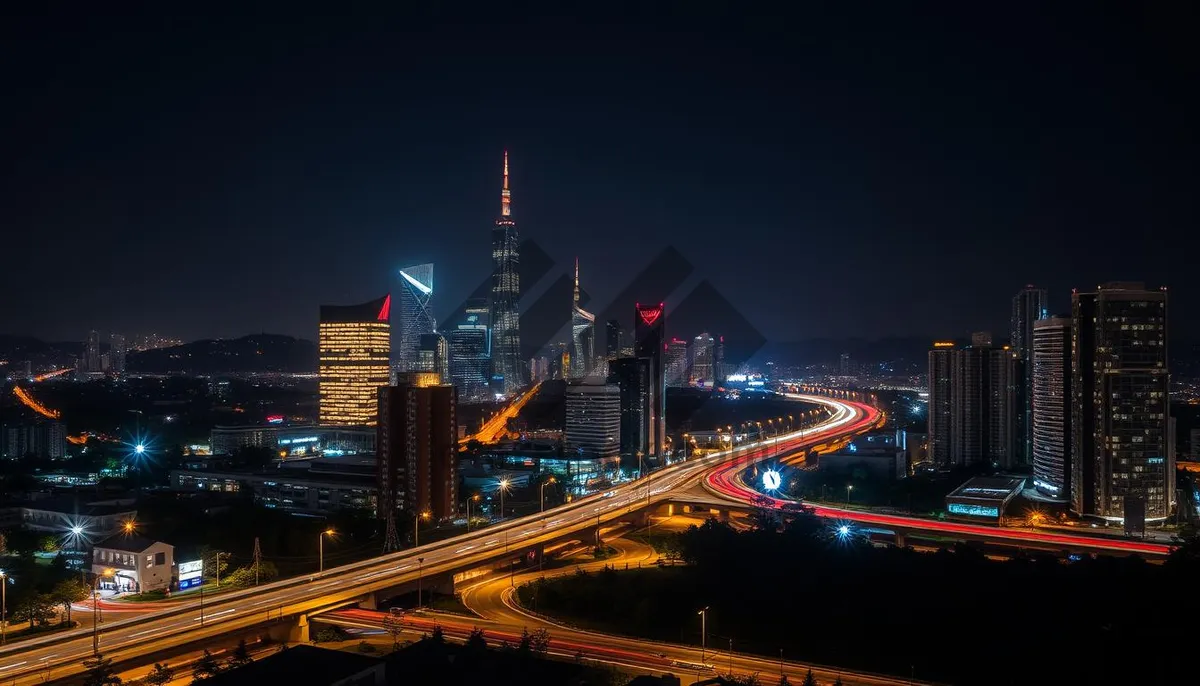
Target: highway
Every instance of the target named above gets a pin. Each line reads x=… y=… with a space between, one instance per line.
x=502 y=619
x=62 y=653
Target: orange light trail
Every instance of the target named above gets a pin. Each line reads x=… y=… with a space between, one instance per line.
x=32 y=403
x=494 y=429
x=51 y=375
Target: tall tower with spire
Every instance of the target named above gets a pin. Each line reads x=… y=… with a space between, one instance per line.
x=583 y=335
x=507 y=372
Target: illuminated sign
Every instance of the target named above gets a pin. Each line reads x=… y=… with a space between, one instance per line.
x=736 y=378
x=973 y=510
x=771 y=480
x=303 y=439
x=190 y=573
x=275 y=419
x=650 y=314
x=943 y=344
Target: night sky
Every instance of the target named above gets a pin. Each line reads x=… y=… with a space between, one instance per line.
x=833 y=172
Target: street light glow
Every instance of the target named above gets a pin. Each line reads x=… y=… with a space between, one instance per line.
x=140 y=448
x=771 y=480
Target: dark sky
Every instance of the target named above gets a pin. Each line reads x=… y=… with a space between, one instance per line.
x=844 y=171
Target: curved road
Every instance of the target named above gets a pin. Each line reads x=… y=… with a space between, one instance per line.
x=62 y=653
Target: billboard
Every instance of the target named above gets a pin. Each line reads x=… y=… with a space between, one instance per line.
x=191 y=574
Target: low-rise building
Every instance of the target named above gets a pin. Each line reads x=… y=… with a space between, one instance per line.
x=983 y=499
x=325 y=486
x=883 y=454
x=137 y=563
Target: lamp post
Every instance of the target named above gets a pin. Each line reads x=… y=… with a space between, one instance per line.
x=420 y=573
x=96 y=609
x=3 y=607
x=416 y=523
x=321 y=549
x=849 y=487
x=502 y=486
x=475 y=498
x=703 y=634
x=542 y=494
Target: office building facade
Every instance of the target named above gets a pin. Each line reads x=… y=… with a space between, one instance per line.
x=612 y=340
x=1028 y=306
x=433 y=357
x=649 y=329
x=941 y=361
x=417 y=467
x=1051 y=356
x=469 y=346
x=593 y=424
x=677 y=371
x=1120 y=417
x=414 y=292
x=506 y=297
x=702 y=359
x=118 y=350
x=354 y=347
x=631 y=375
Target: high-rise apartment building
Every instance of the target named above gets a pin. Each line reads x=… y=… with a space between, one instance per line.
x=1120 y=415
x=417 y=442
x=974 y=425
x=506 y=295
x=118 y=350
x=677 y=363
x=413 y=295
x=91 y=353
x=631 y=375
x=38 y=437
x=719 y=371
x=612 y=340
x=469 y=345
x=1028 y=306
x=354 y=349
x=593 y=424
x=941 y=361
x=649 y=328
x=583 y=335
x=702 y=359
x=1051 y=357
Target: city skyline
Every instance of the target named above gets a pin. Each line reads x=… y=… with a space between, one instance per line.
x=785 y=157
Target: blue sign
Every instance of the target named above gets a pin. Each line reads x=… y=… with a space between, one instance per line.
x=973 y=510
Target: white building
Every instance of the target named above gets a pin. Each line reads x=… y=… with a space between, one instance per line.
x=138 y=563
x=593 y=426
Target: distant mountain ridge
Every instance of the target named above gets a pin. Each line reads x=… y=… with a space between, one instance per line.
x=254 y=353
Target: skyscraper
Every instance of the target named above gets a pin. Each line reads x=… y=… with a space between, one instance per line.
x=1028 y=306
x=469 y=345
x=118 y=350
x=354 y=344
x=583 y=335
x=702 y=359
x=632 y=377
x=593 y=418
x=506 y=295
x=677 y=363
x=433 y=356
x=417 y=440
x=941 y=360
x=1052 y=407
x=413 y=295
x=612 y=340
x=92 y=362
x=1120 y=415
x=649 y=328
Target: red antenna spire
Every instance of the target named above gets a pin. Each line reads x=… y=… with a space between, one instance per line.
x=505 y=193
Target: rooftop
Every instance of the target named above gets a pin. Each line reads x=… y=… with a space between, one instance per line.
x=992 y=488
x=130 y=543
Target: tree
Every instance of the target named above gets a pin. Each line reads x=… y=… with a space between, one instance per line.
x=783 y=680
x=243 y=577
x=540 y=641
x=394 y=625
x=809 y=679
x=525 y=645
x=437 y=636
x=838 y=682
x=68 y=591
x=205 y=667
x=36 y=608
x=476 y=641
x=160 y=675
x=100 y=672
x=240 y=656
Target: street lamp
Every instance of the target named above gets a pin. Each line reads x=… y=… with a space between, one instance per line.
x=321 y=548
x=416 y=522
x=129 y=527
x=420 y=572
x=472 y=498
x=3 y=607
x=703 y=633
x=849 y=487
x=542 y=495
x=108 y=573
x=502 y=486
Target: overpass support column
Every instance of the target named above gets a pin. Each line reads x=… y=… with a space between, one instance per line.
x=900 y=539
x=299 y=632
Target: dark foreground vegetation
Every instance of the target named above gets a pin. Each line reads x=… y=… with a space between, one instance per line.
x=952 y=617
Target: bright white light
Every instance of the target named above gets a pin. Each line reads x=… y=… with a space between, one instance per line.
x=77 y=530
x=771 y=480
x=843 y=530
x=139 y=448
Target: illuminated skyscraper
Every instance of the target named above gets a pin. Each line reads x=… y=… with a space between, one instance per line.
x=469 y=344
x=415 y=290
x=433 y=356
x=593 y=418
x=354 y=346
x=1052 y=407
x=1120 y=415
x=677 y=363
x=941 y=409
x=583 y=335
x=91 y=354
x=702 y=359
x=649 y=328
x=1028 y=306
x=506 y=296
x=117 y=351
x=632 y=376
x=612 y=340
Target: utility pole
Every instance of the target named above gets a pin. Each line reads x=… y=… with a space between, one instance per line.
x=391 y=539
